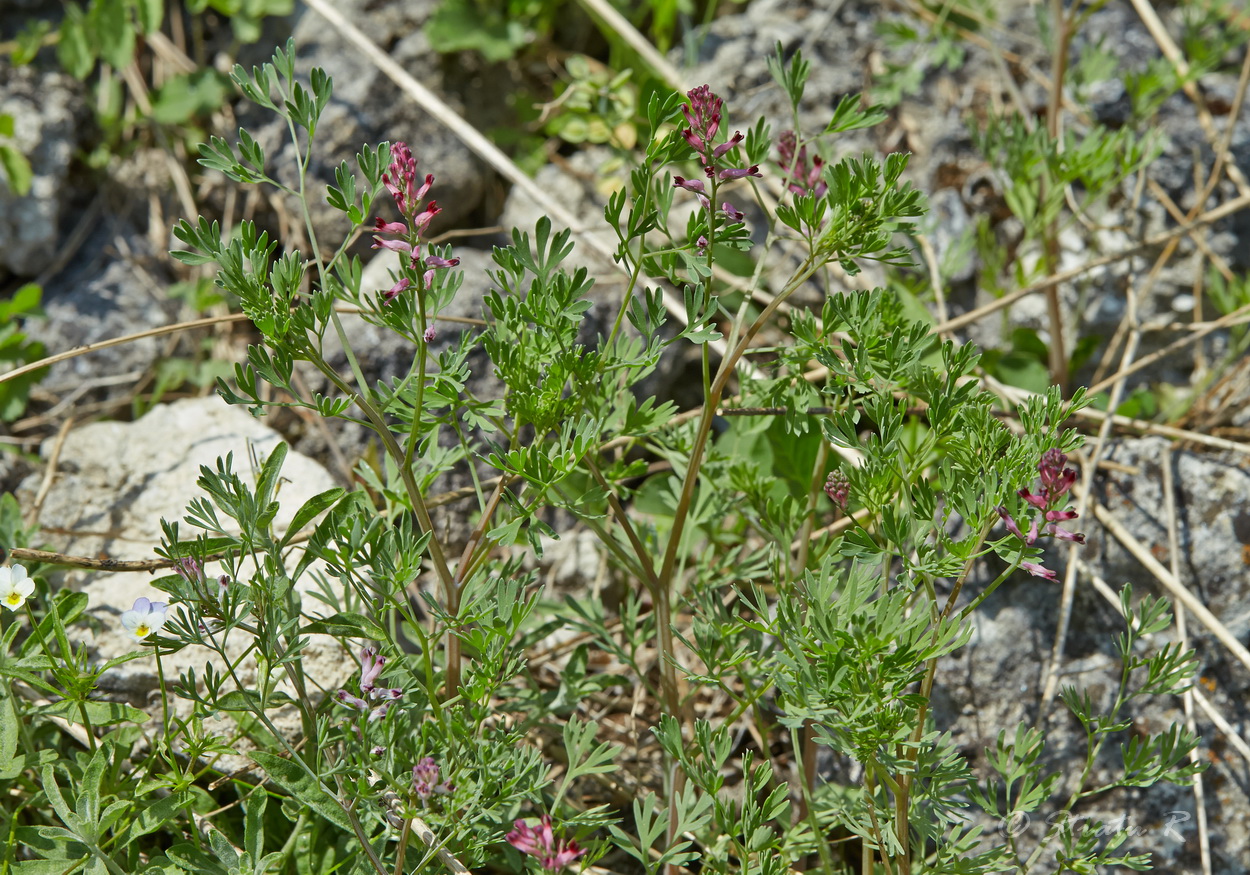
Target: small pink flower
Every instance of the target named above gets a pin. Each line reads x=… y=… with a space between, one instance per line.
x=740 y=173
x=1010 y=522
x=189 y=570
x=695 y=185
x=370 y=667
x=1064 y=534
x=393 y=245
x=541 y=843
x=393 y=292
x=435 y=261
x=422 y=220
x=732 y=213
x=1038 y=570
x=430 y=334
x=727 y=145
x=380 y=227
x=352 y=701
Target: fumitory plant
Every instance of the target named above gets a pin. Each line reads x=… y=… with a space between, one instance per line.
x=788 y=561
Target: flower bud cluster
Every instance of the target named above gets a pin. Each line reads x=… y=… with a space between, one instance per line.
x=405 y=237
x=703 y=114
x=371 y=664
x=1049 y=509
x=426 y=780
x=801 y=177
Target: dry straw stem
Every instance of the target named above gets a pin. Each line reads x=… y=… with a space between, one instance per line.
x=1182 y=634
x=1222 y=724
x=32 y=517
x=1213 y=215
x=607 y=13
x=173 y=328
x=1168 y=47
x=1171 y=584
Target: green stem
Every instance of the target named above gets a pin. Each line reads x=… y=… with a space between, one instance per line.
x=451 y=594
x=805 y=767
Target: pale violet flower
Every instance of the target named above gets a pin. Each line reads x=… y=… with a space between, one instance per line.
x=15 y=586
x=145 y=618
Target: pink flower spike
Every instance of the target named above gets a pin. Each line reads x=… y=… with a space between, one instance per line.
x=401 y=177
x=838 y=488
x=1038 y=570
x=528 y=840
x=393 y=292
x=541 y=843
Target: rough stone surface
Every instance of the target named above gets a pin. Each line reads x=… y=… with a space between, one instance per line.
x=115 y=483
x=987 y=685
x=47 y=116
x=108 y=291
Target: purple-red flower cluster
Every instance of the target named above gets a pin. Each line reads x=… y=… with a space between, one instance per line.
x=801 y=177
x=425 y=779
x=838 y=488
x=401 y=181
x=1049 y=509
x=703 y=114
x=370 y=667
x=552 y=854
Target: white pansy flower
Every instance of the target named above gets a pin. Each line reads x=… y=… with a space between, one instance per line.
x=145 y=618
x=15 y=587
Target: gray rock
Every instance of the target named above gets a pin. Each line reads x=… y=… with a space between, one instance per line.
x=1213 y=523
x=106 y=292
x=48 y=115
x=115 y=483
